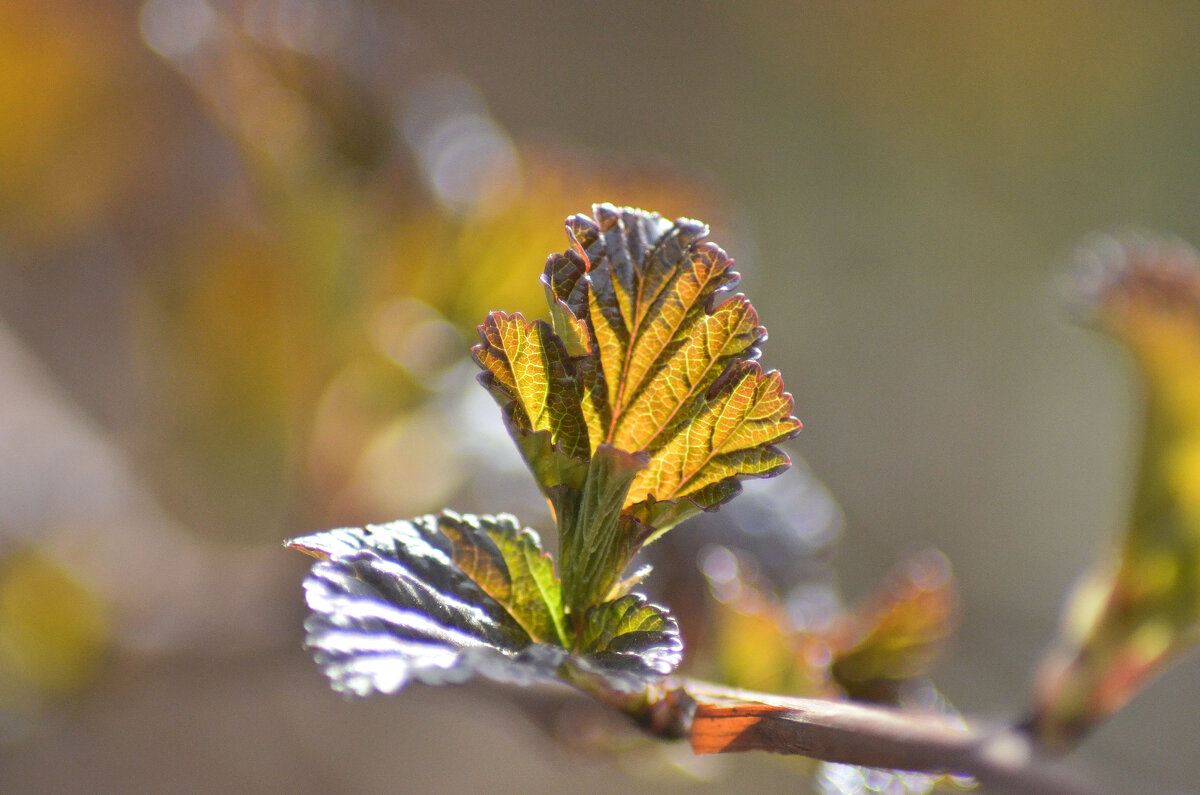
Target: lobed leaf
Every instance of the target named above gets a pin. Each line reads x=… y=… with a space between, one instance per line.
x=672 y=349
x=509 y=565
x=628 y=640
x=389 y=606
x=528 y=372
x=646 y=372
x=439 y=599
x=731 y=437
x=897 y=634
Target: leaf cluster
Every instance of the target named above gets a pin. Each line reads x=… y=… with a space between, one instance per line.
x=638 y=404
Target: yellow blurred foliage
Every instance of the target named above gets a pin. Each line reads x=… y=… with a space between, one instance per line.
x=66 y=145
x=53 y=631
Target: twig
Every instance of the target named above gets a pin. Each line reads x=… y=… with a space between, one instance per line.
x=726 y=721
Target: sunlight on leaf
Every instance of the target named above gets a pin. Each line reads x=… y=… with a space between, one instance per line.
x=629 y=634
x=509 y=565
x=1139 y=607
x=440 y=599
x=529 y=374
x=647 y=368
x=671 y=349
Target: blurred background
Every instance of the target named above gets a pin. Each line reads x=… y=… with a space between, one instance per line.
x=244 y=245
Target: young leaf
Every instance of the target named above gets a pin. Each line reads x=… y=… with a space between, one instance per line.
x=672 y=350
x=647 y=368
x=865 y=653
x=509 y=565
x=628 y=640
x=596 y=540
x=527 y=371
x=899 y=631
x=439 y=599
x=1139 y=607
x=731 y=436
x=388 y=606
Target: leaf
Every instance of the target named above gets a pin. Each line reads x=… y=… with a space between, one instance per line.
x=627 y=641
x=899 y=631
x=1139 y=607
x=388 y=606
x=440 y=599
x=596 y=540
x=731 y=437
x=864 y=654
x=672 y=350
x=509 y=565
x=528 y=372
x=648 y=354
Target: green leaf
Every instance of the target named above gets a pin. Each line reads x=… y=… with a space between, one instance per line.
x=899 y=631
x=672 y=355
x=1138 y=609
x=731 y=436
x=509 y=565
x=528 y=372
x=389 y=606
x=646 y=372
x=439 y=599
x=595 y=540
x=629 y=635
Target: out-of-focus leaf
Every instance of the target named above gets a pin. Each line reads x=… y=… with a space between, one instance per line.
x=647 y=367
x=866 y=653
x=71 y=75
x=440 y=599
x=787 y=525
x=1139 y=607
x=898 y=632
x=53 y=630
x=756 y=645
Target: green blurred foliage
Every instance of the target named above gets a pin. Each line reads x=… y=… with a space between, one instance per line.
x=866 y=653
x=1138 y=609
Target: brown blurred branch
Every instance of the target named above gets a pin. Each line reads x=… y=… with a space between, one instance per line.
x=727 y=721
x=716 y=719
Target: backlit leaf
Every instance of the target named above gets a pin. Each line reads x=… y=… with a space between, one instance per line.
x=731 y=436
x=672 y=351
x=527 y=370
x=439 y=599
x=647 y=366
x=1139 y=607
x=509 y=565
x=632 y=639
